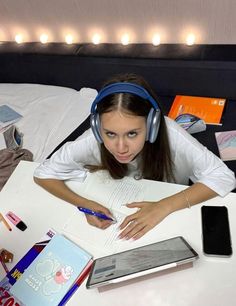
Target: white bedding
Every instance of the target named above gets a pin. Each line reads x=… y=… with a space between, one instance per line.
x=50 y=113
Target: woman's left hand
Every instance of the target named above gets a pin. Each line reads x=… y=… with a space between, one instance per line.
x=148 y=216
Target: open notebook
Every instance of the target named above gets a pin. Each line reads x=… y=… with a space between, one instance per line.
x=99 y=186
x=113 y=194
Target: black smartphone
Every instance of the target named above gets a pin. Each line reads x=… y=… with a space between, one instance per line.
x=216 y=231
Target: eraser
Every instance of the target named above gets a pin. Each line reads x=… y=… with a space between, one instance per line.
x=16 y=221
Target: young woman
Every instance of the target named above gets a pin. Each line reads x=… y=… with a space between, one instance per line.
x=129 y=136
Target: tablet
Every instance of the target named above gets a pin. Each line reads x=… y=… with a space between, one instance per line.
x=140 y=261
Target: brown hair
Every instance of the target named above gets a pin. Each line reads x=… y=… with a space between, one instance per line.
x=160 y=167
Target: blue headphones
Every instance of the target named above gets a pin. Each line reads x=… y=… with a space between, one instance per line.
x=153 y=119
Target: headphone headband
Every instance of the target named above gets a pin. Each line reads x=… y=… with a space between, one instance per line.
x=123 y=87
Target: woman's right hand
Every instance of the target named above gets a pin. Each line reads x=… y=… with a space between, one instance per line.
x=61 y=190
x=95 y=221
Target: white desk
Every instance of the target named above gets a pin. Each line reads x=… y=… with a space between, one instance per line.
x=211 y=281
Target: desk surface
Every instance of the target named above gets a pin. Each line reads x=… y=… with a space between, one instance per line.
x=211 y=281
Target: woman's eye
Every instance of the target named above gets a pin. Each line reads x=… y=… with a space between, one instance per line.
x=132 y=134
x=110 y=134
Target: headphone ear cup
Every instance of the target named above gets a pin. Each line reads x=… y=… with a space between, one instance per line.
x=96 y=127
x=153 y=124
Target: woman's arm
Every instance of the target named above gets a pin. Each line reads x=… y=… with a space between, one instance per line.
x=151 y=213
x=59 y=189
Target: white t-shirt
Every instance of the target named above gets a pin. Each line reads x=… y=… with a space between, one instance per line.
x=190 y=158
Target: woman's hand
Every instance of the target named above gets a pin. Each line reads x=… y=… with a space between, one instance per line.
x=95 y=221
x=149 y=215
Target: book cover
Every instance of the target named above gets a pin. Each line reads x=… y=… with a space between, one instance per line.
x=8 y=115
x=52 y=273
x=208 y=109
x=15 y=273
x=226 y=142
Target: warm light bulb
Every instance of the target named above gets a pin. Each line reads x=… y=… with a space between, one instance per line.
x=19 y=38
x=190 y=40
x=125 y=39
x=96 y=39
x=156 y=40
x=44 y=38
x=69 y=39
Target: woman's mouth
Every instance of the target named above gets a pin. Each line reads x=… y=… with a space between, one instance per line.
x=123 y=158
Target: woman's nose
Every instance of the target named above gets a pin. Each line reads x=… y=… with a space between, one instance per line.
x=122 y=146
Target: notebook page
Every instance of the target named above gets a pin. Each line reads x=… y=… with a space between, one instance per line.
x=112 y=194
x=93 y=239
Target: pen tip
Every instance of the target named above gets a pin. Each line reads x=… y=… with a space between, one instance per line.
x=10 y=229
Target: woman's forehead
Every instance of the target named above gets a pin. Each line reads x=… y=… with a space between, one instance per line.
x=118 y=118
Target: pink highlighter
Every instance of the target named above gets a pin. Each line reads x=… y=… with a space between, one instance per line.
x=16 y=221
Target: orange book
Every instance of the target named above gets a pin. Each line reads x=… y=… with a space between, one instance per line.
x=208 y=109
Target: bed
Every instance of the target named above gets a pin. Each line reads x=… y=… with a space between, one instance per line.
x=49 y=113
x=53 y=85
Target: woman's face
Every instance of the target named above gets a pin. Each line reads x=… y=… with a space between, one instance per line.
x=123 y=134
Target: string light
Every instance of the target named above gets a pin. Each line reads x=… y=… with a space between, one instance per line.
x=97 y=36
x=156 y=40
x=96 y=39
x=190 y=39
x=44 y=38
x=69 y=39
x=19 y=38
x=125 y=40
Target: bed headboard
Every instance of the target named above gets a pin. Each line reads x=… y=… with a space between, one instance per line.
x=205 y=70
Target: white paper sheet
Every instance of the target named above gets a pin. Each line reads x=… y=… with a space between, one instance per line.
x=112 y=194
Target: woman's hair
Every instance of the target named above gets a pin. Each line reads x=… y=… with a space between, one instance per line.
x=155 y=158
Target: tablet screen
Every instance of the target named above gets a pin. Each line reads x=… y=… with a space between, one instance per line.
x=160 y=254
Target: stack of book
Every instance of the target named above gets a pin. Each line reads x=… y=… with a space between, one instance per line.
x=49 y=273
x=8 y=116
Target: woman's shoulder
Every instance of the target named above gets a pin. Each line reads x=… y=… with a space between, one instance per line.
x=170 y=123
x=85 y=142
x=178 y=135
x=83 y=150
x=86 y=137
x=173 y=127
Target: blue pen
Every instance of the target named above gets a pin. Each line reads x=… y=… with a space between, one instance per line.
x=94 y=213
